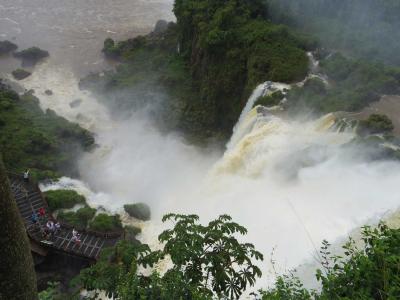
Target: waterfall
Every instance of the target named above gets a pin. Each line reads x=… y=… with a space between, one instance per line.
x=263 y=89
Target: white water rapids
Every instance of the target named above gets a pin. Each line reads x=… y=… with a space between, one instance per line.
x=290 y=183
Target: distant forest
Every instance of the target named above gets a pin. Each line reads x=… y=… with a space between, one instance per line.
x=365 y=28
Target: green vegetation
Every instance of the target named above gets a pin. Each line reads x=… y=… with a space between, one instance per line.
x=7 y=47
x=20 y=74
x=270 y=100
x=51 y=293
x=208 y=263
x=105 y=223
x=367 y=29
x=369 y=272
x=139 y=211
x=205 y=66
x=131 y=233
x=78 y=219
x=32 y=55
x=43 y=142
x=354 y=84
x=63 y=199
x=376 y=124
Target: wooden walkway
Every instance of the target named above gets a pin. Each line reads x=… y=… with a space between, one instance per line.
x=29 y=199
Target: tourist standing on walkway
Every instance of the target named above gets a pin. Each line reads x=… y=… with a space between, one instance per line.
x=57 y=227
x=34 y=218
x=42 y=212
x=75 y=236
x=50 y=226
x=26 y=175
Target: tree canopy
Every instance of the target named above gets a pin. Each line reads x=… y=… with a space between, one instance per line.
x=207 y=262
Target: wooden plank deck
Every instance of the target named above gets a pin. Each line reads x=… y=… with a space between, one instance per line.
x=29 y=199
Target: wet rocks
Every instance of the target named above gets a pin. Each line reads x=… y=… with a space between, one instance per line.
x=31 y=56
x=139 y=211
x=6 y=47
x=20 y=74
x=75 y=103
x=161 y=27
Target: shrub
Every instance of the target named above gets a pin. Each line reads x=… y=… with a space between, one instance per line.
x=376 y=124
x=63 y=199
x=139 y=211
x=131 y=232
x=78 y=219
x=20 y=74
x=106 y=223
x=33 y=54
x=109 y=48
x=270 y=100
x=369 y=271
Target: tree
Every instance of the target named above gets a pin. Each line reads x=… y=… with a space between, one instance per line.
x=376 y=123
x=369 y=271
x=17 y=274
x=210 y=258
x=208 y=263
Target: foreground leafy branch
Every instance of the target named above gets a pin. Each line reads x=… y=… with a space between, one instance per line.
x=208 y=263
x=370 y=271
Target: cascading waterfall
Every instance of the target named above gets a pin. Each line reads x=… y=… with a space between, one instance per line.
x=286 y=181
x=245 y=120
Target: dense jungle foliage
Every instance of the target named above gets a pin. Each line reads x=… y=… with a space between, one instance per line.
x=207 y=262
x=30 y=138
x=351 y=85
x=206 y=65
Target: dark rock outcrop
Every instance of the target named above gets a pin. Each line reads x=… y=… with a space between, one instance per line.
x=139 y=211
x=20 y=74
x=7 y=47
x=32 y=55
x=75 y=103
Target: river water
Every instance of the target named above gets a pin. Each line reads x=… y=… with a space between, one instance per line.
x=291 y=183
x=73 y=31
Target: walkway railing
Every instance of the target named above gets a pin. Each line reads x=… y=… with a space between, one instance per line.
x=29 y=199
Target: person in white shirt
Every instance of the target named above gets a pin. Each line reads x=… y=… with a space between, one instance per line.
x=26 y=175
x=75 y=236
x=50 y=226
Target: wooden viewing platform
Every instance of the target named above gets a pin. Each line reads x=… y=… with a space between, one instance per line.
x=29 y=199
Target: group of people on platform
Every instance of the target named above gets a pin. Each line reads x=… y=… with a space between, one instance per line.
x=51 y=228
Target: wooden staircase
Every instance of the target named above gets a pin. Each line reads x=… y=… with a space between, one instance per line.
x=30 y=199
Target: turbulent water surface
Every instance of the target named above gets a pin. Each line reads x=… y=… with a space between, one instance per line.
x=290 y=183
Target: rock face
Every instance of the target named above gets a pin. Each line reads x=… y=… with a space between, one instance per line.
x=7 y=47
x=31 y=55
x=17 y=275
x=75 y=103
x=139 y=211
x=161 y=27
x=20 y=74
